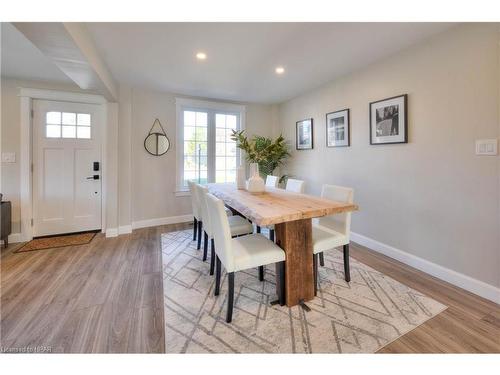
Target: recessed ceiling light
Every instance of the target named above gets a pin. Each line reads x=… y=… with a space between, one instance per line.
x=280 y=70
x=201 y=55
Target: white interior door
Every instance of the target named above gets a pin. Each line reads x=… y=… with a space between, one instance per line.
x=66 y=167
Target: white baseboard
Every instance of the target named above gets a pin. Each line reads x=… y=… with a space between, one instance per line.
x=111 y=232
x=162 y=221
x=15 y=238
x=125 y=229
x=468 y=283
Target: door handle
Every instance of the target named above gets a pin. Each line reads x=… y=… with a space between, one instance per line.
x=94 y=177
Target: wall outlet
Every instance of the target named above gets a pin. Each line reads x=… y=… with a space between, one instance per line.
x=8 y=157
x=487 y=147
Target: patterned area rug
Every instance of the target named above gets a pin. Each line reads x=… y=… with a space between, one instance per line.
x=57 y=241
x=357 y=317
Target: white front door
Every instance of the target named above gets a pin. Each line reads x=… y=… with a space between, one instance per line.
x=66 y=167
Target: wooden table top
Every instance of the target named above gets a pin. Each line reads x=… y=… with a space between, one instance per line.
x=276 y=206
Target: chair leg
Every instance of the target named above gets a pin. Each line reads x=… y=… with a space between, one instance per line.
x=322 y=259
x=261 y=273
x=200 y=226
x=347 y=270
x=271 y=234
x=230 y=296
x=217 y=275
x=195 y=227
x=315 y=265
x=258 y=229
x=280 y=282
x=205 y=245
x=212 y=257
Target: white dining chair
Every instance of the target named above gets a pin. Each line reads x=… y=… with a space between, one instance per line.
x=296 y=186
x=238 y=226
x=241 y=253
x=196 y=204
x=332 y=231
x=271 y=181
x=196 y=213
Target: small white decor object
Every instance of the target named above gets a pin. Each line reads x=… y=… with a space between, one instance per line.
x=255 y=183
x=240 y=177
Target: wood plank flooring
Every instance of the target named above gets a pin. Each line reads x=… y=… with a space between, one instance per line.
x=106 y=297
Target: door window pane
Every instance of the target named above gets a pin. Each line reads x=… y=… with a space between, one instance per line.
x=68 y=119
x=83 y=119
x=73 y=125
x=53 y=117
x=83 y=132
x=68 y=131
x=53 y=131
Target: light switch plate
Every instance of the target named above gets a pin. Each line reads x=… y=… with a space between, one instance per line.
x=487 y=147
x=8 y=157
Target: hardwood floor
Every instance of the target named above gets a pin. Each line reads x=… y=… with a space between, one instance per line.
x=108 y=297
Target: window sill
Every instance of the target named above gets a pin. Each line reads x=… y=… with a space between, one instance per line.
x=182 y=193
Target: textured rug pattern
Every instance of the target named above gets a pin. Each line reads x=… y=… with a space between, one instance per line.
x=357 y=317
x=57 y=241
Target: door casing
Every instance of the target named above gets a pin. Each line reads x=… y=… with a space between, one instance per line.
x=27 y=95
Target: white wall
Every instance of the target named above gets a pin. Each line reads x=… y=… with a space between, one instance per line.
x=433 y=197
x=153 y=179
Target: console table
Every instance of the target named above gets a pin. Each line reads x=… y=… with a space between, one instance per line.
x=5 y=227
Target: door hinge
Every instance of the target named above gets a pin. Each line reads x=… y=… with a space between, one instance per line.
x=32 y=113
x=31 y=167
x=31 y=222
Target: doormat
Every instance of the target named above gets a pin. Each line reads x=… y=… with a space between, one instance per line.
x=57 y=241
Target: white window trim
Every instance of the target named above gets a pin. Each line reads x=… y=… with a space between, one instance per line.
x=185 y=103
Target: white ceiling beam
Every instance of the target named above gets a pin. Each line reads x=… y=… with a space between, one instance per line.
x=71 y=48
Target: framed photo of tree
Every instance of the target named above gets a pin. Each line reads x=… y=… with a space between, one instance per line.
x=389 y=120
x=304 y=134
x=338 y=133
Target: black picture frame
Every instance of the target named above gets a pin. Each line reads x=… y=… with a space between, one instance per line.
x=297 y=134
x=348 y=116
x=405 y=120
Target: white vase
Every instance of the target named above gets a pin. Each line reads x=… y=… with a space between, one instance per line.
x=255 y=183
x=241 y=177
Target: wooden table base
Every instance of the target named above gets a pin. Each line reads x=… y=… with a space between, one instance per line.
x=295 y=238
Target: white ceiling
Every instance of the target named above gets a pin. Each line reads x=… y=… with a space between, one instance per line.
x=21 y=59
x=242 y=56
x=241 y=59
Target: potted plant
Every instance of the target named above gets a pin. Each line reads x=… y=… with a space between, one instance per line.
x=268 y=153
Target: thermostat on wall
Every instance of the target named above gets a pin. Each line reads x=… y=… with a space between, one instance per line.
x=486 y=147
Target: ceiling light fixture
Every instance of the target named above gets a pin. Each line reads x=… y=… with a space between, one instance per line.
x=201 y=55
x=280 y=70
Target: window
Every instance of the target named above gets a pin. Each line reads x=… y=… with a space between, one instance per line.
x=207 y=154
x=195 y=146
x=67 y=125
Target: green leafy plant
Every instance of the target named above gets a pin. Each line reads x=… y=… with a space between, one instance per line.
x=267 y=153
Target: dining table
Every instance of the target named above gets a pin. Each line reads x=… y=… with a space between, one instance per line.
x=291 y=214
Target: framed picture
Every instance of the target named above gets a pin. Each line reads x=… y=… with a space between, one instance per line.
x=389 y=120
x=304 y=134
x=338 y=133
